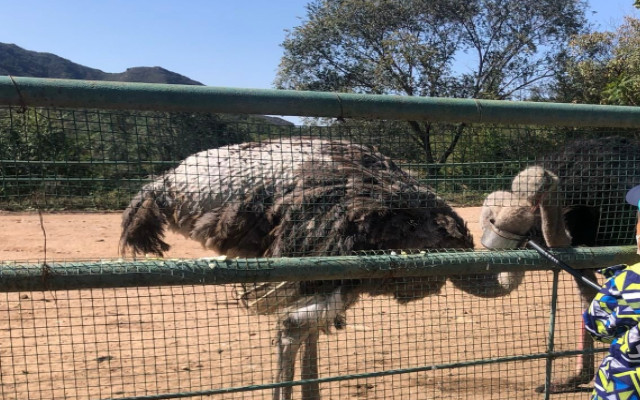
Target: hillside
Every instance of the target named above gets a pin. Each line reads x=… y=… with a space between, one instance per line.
x=17 y=61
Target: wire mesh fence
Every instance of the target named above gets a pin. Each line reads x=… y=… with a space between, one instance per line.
x=122 y=343
x=251 y=186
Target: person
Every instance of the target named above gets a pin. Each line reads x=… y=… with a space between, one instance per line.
x=612 y=317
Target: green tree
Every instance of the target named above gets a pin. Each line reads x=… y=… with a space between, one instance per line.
x=78 y=158
x=492 y=49
x=603 y=67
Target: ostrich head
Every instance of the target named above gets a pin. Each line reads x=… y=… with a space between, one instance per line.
x=509 y=217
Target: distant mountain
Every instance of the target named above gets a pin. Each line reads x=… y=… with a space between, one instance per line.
x=15 y=60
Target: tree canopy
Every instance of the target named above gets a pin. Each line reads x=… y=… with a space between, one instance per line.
x=489 y=49
x=472 y=48
x=603 y=67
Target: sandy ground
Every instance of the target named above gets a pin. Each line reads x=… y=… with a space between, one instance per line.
x=73 y=236
x=96 y=344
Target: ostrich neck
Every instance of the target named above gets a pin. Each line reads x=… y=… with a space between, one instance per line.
x=553 y=226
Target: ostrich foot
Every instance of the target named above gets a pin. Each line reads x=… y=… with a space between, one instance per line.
x=583 y=375
x=571 y=384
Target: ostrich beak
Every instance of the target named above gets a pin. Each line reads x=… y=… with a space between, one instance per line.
x=495 y=238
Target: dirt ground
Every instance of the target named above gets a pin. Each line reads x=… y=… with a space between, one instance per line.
x=73 y=236
x=115 y=343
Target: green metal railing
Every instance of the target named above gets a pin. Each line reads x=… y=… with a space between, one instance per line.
x=39 y=92
x=221 y=270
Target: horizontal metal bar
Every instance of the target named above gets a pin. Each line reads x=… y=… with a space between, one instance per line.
x=37 y=179
x=85 y=162
x=67 y=93
x=364 y=375
x=162 y=272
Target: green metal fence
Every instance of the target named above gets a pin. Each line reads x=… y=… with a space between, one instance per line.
x=311 y=213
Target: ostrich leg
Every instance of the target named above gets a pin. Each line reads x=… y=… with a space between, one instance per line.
x=301 y=327
x=289 y=341
x=585 y=369
x=310 y=391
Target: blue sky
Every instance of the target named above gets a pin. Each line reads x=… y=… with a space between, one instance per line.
x=219 y=43
x=233 y=43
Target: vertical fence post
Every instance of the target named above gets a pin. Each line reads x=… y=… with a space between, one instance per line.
x=552 y=330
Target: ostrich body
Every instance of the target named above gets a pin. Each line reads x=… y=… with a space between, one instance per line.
x=565 y=200
x=301 y=197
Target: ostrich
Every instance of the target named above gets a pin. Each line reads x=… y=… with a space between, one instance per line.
x=299 y=197
x=572 y=198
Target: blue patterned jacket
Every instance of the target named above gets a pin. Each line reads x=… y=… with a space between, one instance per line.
x=613 y=317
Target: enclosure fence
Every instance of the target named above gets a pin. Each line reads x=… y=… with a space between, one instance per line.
x=355 y=240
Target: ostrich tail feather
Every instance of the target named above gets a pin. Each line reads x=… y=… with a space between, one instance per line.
x=143 y=225
x=268 y=297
